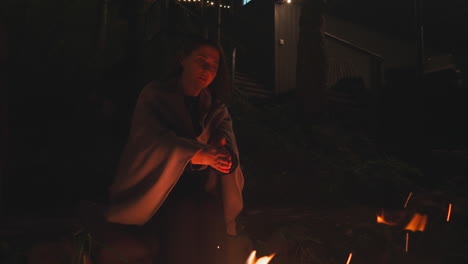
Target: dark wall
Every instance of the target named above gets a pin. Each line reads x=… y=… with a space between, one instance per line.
x=287 y=30
x=445 y=26
x=255 y=32
x=51 y=47
x=3 y=110
x=70 y=101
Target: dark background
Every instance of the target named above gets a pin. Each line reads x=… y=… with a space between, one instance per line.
x=69 y=83
x=70 y=97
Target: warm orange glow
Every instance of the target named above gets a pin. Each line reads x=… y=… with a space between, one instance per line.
x=349 y=258
x=252 y=259
x=407 y=199
x=449 y=212
x=417 y=223
x=381 y=220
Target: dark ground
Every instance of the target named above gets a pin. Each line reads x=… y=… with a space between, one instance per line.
x=321 y=184
x=312 y=190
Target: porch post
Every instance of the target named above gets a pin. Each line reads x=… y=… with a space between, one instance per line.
x=311 y=61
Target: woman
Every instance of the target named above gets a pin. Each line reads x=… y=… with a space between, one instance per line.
x=180 y=165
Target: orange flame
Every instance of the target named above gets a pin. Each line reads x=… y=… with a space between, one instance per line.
x=381 y=220
x=449 y=212
x=252 y=259
x=417 y=223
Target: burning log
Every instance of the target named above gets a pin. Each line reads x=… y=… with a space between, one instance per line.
x=417 y=222
x=409 y=219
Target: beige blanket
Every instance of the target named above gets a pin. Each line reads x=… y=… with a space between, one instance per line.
x=161 y=143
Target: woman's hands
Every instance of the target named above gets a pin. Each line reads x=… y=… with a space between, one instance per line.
x=218 y=157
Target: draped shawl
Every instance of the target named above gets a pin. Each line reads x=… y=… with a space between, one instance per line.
x=161 y=143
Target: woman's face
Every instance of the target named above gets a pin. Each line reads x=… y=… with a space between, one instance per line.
x=199 y=69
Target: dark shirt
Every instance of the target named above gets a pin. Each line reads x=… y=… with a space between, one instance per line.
x=191 y=181
x=192 y=105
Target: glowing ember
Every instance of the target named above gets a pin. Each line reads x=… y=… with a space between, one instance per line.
x=407 y=242
x=449 y=212
x=349 y=258
x=407 y=199
x=252 y=259
x=417 y=223
x=381 y=220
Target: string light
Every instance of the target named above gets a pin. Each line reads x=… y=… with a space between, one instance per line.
x=207 y=2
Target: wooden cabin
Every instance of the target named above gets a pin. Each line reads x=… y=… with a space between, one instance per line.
x=267 y=36
x=267 y=40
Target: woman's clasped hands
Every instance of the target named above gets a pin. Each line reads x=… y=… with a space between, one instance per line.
x=217 y=157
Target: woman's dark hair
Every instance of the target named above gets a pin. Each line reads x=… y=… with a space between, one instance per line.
x=220 y=88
